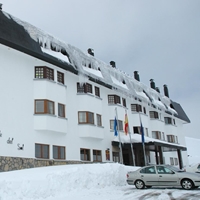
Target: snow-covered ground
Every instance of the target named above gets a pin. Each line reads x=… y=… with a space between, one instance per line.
x=85 y=182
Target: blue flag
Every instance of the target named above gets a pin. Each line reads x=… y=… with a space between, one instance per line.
x=142 y=132
x=115 y=127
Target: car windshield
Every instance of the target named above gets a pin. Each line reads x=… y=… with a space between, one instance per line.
x=174 y=168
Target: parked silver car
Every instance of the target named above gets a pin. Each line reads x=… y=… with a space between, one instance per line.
x=163 y=175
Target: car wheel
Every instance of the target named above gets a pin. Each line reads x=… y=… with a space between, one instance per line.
x=139 y=184
x=187 y=184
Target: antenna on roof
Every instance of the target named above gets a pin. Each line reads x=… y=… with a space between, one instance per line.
x=1 y=6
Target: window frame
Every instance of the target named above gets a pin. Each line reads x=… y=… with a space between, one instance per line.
x=168 y=120
x=87 y=117
x=60 y=77
x=59 y=157
x=97 y=91
x=124 y=102
x=153 y=115
x=63 y=110
x=48 y=73
x=136 y=107
x=45 y=106
x=114 y=99
x=85 y=88
x=86 y=153
x=120 y=125
x=99 y=120
x=96 y=156
x=42 y=150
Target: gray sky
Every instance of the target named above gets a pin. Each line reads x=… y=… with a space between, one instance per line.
x=158 y=38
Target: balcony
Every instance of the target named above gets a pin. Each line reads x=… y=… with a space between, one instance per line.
x=50 y=123
x=90 y=131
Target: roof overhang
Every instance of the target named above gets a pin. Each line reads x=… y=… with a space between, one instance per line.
x=152 y=146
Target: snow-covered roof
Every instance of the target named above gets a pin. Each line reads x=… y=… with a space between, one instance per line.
x=48 y=48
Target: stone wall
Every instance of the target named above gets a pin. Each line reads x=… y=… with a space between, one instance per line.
x=16 y=163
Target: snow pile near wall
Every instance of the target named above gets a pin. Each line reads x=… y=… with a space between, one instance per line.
x=40 y=183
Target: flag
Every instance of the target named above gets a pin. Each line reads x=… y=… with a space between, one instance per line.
x=115 y=127
x=142 y=131
x=126 y=124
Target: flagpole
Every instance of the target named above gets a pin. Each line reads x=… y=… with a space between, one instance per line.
x=133 y=157
x=143 y=145
x=120 y=144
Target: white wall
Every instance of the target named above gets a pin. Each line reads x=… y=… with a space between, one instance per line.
x=19 y=89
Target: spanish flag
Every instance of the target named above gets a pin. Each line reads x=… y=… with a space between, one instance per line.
x=126 y=124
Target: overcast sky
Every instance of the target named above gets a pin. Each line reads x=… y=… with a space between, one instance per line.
x=158 y=38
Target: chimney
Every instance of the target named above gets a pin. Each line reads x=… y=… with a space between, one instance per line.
x=91 y=51
x=166 y=93
x=112 y=63
x=1 y=6
x=157 y=89
x=152 y=84
x=136 y=76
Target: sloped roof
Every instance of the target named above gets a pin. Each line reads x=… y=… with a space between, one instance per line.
x=26 y=38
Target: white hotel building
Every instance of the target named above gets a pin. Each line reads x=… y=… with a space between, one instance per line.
x=58 y=106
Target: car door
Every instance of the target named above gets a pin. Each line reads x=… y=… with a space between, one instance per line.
x=149 y=176
x=166 y=176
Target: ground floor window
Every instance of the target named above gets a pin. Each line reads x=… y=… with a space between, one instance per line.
x=97 y=156
x=116 y=157
x=58 y=152
x=85 y=154
x=42 y=151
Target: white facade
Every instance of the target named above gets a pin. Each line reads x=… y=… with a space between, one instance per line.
x=19 y=89
x=23 y=127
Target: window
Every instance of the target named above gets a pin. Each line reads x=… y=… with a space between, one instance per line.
x=163 y=170
x=119 y=125
x=97 y=91
x=44 y=106
x=171 y=161
x=116 y=157
x=136 y=130
x=168 y=120
x=148 y=170
x=84 y=88
x=172 y=138
x=60 y=77
x=42 y=151
x=174 y=121
x=156 y=135
x=107 y=154
x=136 y=108
x=85 y=154
x=114 y=99
x=176 y=161
x=153 y=114
x=61 y=110
x=124 y=102
x=85 y=117
x=97 y=156
x=58 y=152
x=99 y=123
x=144 y=110
x=44 y=72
